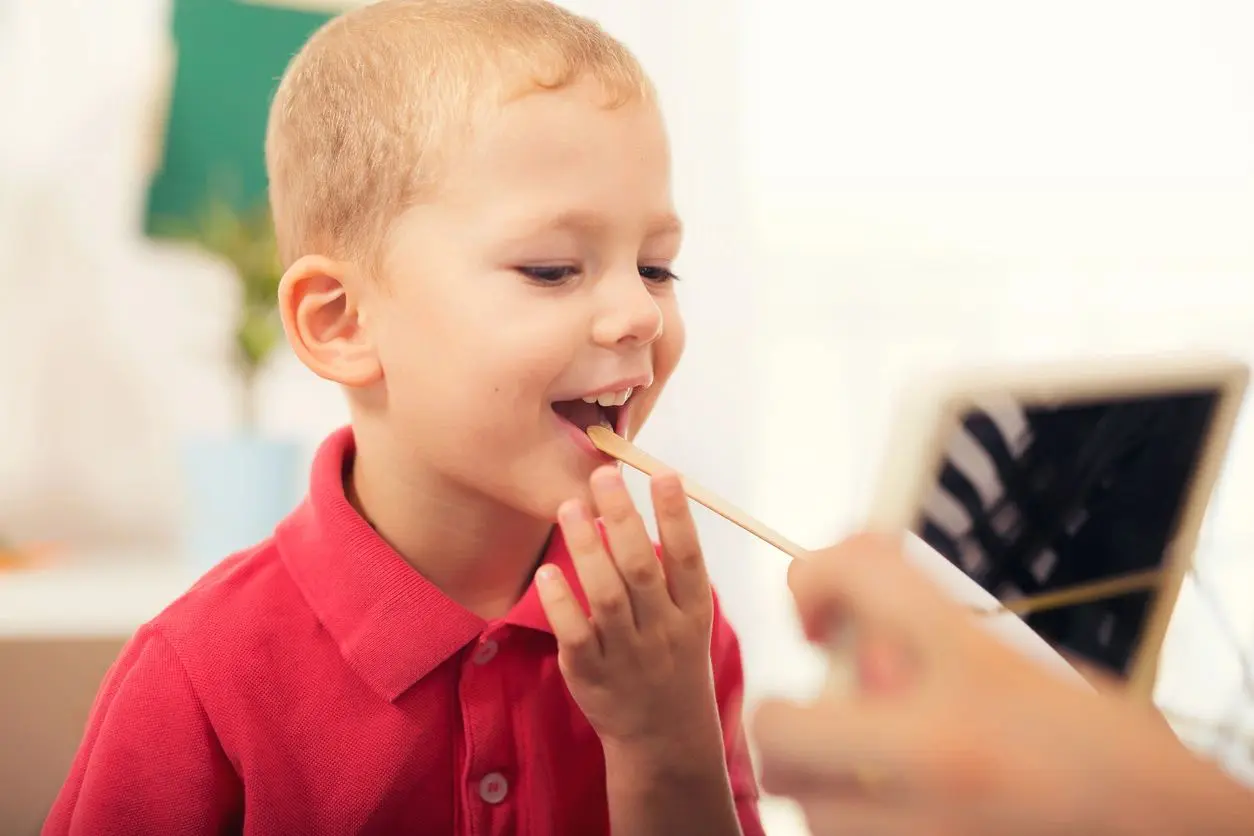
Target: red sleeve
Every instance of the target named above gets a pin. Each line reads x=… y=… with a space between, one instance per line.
x=729 y=688
x=149 y=761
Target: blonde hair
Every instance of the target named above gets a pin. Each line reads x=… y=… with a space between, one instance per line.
x=370 y=108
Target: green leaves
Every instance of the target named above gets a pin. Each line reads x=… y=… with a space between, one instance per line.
x=244 y=239
x=257 y=334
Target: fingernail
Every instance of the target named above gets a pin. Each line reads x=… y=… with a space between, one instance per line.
x=547 y=574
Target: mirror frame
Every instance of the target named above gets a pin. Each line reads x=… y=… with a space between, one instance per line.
x=934 y=412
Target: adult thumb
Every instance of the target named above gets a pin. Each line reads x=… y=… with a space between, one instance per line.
x=868 y=580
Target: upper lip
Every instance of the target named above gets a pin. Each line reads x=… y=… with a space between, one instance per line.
x=630 y=383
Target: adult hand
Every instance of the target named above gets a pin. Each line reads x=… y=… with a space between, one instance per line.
x=963 y=735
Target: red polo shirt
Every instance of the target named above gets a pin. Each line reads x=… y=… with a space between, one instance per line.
x=316 y=684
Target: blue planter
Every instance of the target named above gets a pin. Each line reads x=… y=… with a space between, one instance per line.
x=237 y=489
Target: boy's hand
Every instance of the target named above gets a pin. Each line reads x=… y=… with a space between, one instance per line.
x=639 y=668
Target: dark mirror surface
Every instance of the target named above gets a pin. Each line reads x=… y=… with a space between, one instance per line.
x=1031 y=500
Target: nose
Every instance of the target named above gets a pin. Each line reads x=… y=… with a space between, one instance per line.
x=629 y=315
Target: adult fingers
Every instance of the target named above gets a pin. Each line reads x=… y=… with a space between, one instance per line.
x=828 y=816
x=868 y=580
x=835 y=743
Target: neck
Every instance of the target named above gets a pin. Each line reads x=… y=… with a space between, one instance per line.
x=478 y=552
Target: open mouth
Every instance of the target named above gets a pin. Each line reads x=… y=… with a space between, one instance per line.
x=594 y=410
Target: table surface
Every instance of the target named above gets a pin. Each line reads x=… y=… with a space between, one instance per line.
x=101 y=597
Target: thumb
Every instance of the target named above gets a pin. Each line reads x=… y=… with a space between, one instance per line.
x=866 y=579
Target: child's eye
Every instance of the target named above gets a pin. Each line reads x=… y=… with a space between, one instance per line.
x=549 y=275
x=657 y=275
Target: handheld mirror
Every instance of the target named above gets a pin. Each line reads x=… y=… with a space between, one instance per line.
x=1071 y=495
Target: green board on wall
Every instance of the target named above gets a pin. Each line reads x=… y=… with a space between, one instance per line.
x=230 y=56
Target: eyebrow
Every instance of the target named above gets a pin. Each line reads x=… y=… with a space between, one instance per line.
x=581 y=221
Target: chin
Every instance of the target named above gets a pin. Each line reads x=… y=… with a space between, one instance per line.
x=545 y=475
x=564 y=489
x=541 y=492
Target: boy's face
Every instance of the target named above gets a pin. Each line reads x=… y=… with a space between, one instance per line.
x=538 y=277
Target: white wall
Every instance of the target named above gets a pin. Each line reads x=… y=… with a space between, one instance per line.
x=975 y=180
x=116 y=347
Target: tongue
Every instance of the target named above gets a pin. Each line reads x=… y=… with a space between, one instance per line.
x=580 y=413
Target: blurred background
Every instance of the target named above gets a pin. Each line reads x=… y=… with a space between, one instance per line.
x=871 y=190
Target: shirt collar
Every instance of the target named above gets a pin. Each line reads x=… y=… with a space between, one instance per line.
x=392 y=625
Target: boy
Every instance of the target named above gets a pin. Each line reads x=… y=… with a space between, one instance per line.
x=473 y=204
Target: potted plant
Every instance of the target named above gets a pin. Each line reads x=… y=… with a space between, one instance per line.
x=245 y=240
x=240 y=485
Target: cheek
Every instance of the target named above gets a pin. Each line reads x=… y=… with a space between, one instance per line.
x=667 y=352
x=519 y=364
x=406 y=320
x=428 y=363
x=416 y=353
x=669 y=347
x=469 y=374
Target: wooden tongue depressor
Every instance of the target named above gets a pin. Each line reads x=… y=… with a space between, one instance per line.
x=620 y=448
x=842 y=669
x=608 y=442
x=842 y=678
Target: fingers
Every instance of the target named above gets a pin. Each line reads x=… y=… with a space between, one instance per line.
x=827 y=816
x=867 y=578
x=625 y=584
x=829 y=744
x=884 y=666
x=603 y=587
x=576 y=637
x=686 y=575
x=796 y=573
x=630 y=547
x=1102 y=679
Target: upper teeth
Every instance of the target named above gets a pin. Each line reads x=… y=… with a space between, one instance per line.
x=609 y=398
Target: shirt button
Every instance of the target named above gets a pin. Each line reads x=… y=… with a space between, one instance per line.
x=493 y=787
x=486 y=652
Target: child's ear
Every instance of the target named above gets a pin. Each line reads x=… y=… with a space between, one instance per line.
x=319 y=301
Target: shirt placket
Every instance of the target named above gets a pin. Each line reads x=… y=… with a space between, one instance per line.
x=490 y=770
